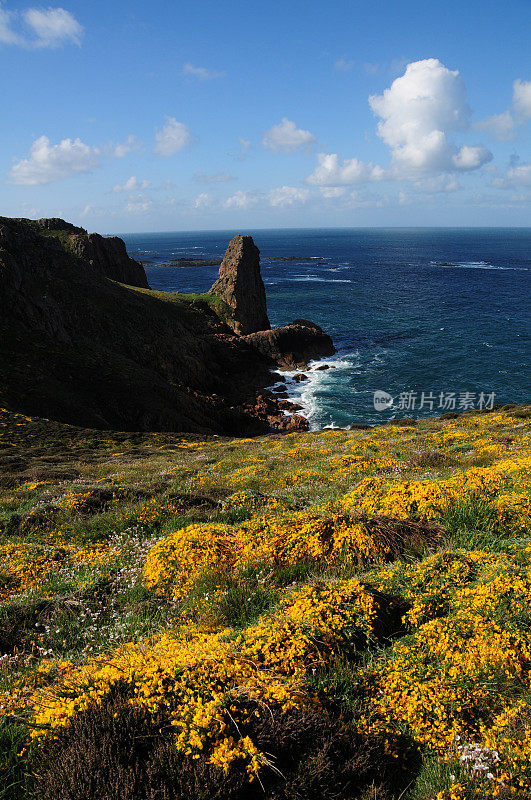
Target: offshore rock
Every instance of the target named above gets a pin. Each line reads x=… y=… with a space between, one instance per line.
x=292 y=345
x=241 y=286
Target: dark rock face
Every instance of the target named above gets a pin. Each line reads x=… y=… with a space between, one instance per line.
x=109 y=257
x=292 y=345
x=106 y=255
x=241 y=286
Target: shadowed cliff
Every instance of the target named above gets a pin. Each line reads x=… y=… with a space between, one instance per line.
x=78 y=346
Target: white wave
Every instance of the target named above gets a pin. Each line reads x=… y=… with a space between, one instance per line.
x=315 y=279
x=479 y=265
x=305 y=393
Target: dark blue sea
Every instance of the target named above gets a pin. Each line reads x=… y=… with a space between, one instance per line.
x=437 y=319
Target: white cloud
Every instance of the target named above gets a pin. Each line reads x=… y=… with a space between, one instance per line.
x=331 y=172
x=343 y=65
x=437 y=184
x=95 y=211
x=240 y=200
x=471 y=157
x=47 y=162
x=215 y=177
x=53 y=26
x=517 y=175
x=416 y=114
x=360 y=199
x=330 y=192
x=124 y=148
x=139 y=205
x=286 y=137
x=287 y=196
x=520 y=175
x=501 y=126
x=132 y=184
x=202 y=73
x=202 y=200
x=172 y=137
x=522 y=98
x=7 y=34
x=50 y=27
x=245 y=146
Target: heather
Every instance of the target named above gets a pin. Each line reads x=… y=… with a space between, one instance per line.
x=338 y=614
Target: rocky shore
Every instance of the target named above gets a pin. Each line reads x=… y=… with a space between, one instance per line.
x=86 y=342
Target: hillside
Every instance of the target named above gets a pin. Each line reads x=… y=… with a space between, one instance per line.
x=84 y=341
x=342 y=614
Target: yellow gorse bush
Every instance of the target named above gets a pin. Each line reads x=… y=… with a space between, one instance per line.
x=176 y=561
x=470 y=636
x=199 y=678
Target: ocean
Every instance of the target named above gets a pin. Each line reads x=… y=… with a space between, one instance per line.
x=431 y=320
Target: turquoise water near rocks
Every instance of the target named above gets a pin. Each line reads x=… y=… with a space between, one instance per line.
x=444 y=312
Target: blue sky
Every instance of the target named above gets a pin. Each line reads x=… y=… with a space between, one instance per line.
x=201 y=115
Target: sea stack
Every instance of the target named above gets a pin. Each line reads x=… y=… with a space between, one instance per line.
x=241 y=286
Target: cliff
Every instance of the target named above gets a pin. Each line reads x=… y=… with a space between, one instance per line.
x=80 y=347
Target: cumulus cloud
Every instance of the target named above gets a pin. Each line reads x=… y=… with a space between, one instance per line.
x=132 y=184
x=172 y=137
x=517 y=175
x=53 y=26
x=7 y=34
x=240 y=200
x=41 y=28
x=501 y=126
x=139 y=205
x=122 y=149
x=437 y=184
x=51 y=162
x=520 y=175
x=286 y=137
x=214 y=177
x=417 y=112
x=471 y=157
x=202 y=200
x=202 y=73
x=287 y=196
x=331 y=192
x=331 y=172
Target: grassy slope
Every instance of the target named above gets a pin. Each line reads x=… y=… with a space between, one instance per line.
x=434 y=517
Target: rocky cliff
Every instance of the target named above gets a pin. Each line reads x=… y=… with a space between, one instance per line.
x=241 y=287
x=79 y=347
x=106 y=255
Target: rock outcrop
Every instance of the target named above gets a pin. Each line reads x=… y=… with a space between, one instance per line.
x=293 y=345
x=241 y=287
x=109 y=257
x=106 y=255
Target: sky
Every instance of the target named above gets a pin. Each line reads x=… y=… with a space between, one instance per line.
x=133 y=116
